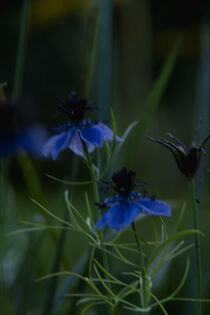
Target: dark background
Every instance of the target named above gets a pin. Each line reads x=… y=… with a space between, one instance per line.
x=58 y=60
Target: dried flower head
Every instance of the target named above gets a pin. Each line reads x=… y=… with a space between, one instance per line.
x=187 y=159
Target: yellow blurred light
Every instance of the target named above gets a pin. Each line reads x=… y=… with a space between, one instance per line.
x=45 y=11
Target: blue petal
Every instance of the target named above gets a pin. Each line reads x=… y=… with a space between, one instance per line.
x=113 y=218
x=154 y=207
x=131 y=213
x=119 y=216
x=76 y=144
x=106 y=132
x=56 y=144
x=91 y=135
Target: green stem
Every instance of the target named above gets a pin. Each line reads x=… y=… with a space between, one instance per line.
x=104 y=254
x=49 y=302
x=93 y=176
x=22 y=45
x=97 y=199
x=197 y=244
x=144 y=280
x=95 y=186
x=104 y=58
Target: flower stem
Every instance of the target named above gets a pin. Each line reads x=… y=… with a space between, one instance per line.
x=49 y=302
x=144 y=281
x=97 y=199
x=197 y=244
x=95 y=186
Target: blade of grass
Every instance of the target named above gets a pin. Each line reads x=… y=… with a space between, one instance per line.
x=22 y=47
x=68 y=284
x=170 y=239
x=2 y=93
x=180 y=218
x=48 y=305
x=104 y=59
x=31 y=178
x=153 y=101
x=87 y=182
x=174 y=293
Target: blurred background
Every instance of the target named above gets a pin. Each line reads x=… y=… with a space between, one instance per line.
x=111 y=52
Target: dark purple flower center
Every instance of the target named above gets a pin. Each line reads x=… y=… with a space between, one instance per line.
x=75 y=107
x=124 y=184
x=85 y=123
x=124 y=181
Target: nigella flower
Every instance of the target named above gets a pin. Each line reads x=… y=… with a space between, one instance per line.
x=187 y=159
x=17 y=130
x=128 y=203
x=78 y=131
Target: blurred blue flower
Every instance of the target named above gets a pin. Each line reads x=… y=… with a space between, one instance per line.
x=30 y=140
x=78 y=132
x=17 y=131
x=126 y=206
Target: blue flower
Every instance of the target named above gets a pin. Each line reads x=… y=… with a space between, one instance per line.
x=78 y=132
x=126 y=205
x=17 y=132
x=29 y=140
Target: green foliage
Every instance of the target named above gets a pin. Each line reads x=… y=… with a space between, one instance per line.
x=111 y=290
x=153 y=100
x=116 y=290
x=118 y=270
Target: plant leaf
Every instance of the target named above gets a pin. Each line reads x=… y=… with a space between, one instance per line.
x=153 y=101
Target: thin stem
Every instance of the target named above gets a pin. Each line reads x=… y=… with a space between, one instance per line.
x=95 y=186
x=49 y=302
x=104 y=254
x=197 y=244
x=104 y=58
x=97 y=200
x=144 y=281
x=22 y=45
